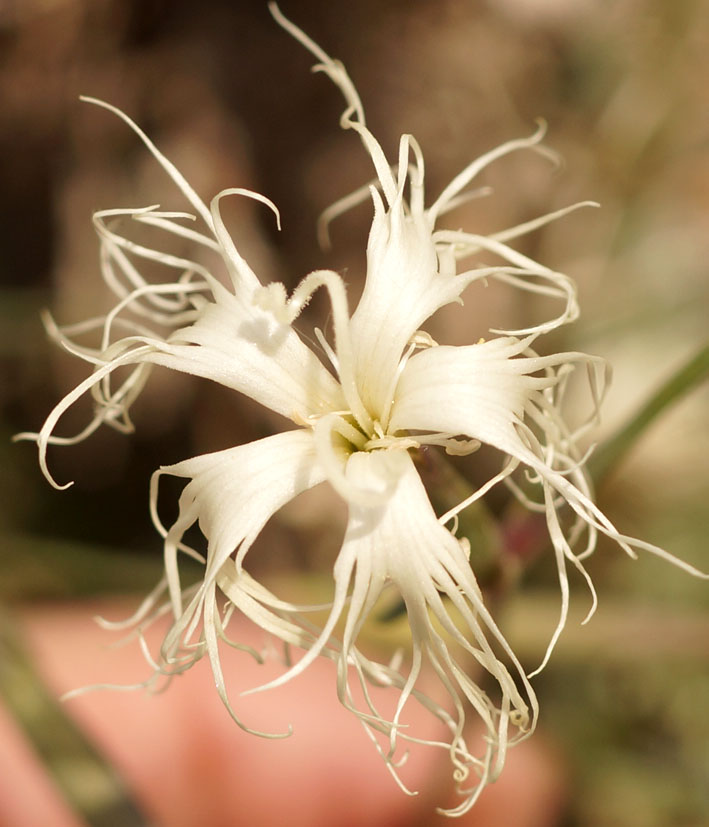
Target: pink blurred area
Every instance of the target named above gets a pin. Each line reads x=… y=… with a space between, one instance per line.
x=187 y=763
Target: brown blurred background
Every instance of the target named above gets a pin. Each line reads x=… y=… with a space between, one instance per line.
x=229 y=97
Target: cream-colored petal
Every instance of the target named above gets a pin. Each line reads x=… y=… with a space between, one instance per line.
x=245 y=348
x=401 y=547
x=479 y=390
x=233 y=493
x=238 y=345
x=486 y=392
x=403 y=285
x=402 y=289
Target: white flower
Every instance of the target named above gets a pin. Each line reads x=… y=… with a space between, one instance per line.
x=389 y=390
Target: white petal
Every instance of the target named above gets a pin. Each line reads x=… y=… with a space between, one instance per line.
x=403 y=288
x=245 y=348
x=403 y=285
x=483 y=392
x=231 y=340
x=479 y=390
x=238 y=345
x=233 y=493
x=402 y=545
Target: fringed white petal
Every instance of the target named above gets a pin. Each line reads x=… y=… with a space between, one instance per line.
x=403 y=288
x=241 y=274
x=400 y=546
x=232 y=494
x=241 y=347
x=411 y=267
x=167 y=165
x=486 y=386
x=403 y=546
x=246 y=348
x=230 y=338
x=484 y=392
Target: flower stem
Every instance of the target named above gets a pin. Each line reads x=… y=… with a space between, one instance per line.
x=609 y=455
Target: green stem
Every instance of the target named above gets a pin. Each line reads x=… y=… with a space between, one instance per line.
x=612 y=452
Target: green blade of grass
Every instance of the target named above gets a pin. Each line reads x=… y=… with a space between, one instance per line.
x=88 y=783
x=611 y=453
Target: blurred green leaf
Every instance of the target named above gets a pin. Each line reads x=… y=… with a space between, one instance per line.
x=87 y=781
x=611 y=453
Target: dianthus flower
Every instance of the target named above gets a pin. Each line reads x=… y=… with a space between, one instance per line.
x=388 y=390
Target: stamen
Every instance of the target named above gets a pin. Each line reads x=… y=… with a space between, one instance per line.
x=454 y=445
x=325 y=345
x=422 y=339
x=392 y=442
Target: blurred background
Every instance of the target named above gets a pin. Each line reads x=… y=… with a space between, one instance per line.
x=229 y=97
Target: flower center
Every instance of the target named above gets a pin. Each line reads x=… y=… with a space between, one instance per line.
x=383 y=441
x=356 y=429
